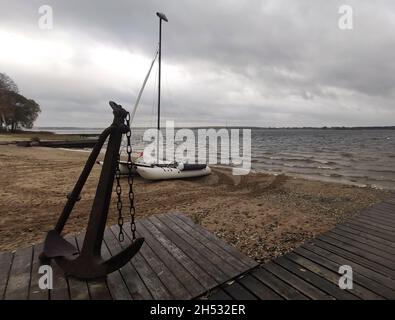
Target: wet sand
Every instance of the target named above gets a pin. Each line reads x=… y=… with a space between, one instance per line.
x=262 y=215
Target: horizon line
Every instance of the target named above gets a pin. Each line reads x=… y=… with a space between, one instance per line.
x=222 y=126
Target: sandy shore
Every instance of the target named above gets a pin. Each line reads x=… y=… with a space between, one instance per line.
x=262 y=215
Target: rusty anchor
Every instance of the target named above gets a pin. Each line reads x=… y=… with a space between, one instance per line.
x=89 y=264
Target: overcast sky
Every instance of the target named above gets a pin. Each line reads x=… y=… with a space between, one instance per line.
x=248 y=63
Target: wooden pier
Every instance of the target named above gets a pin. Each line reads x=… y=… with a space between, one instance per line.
x=181 y=260
x=366 y=243
x=69 y=144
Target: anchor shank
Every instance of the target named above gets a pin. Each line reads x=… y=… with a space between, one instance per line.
x=98 y=216
x=81 y=180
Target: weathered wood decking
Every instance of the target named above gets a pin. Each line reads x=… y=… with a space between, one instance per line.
x=366 y=243
x=179 y=260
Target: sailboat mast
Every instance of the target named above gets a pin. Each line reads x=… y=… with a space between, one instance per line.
x=160 y=67
x=161 y=17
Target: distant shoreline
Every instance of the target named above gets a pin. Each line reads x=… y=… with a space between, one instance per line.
x=48 y=129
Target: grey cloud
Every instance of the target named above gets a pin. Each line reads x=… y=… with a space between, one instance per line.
x=279 y=62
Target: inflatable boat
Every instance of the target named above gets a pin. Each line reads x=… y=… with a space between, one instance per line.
x=172 y=171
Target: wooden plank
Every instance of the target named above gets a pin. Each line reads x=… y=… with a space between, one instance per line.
x=362 y=229
x=390 y=201
x=134 y=284
x=260 y=290
x=386 y=205
x=19 y=279
x=383 y=204
x=368 y=236
x=198 y=273
x=363 y=246
x=78 y=289
x=383 y=213
x=35 y=293
x=240 y=258
x=389 y=213
x=329 y=270
x=60 y=289
x=354 y=257
x=380 y=225
x=238 y=292
x=182 y=274
x=115 y=282
x=386 y=284
x=215 y=260
x=5 y=267
x=151 y=280
x=147 y=275
x=377 y=245
x=296 y=282
x=361 y=252
x=97 y=287
x=277 y=285
x=319 y=278
x=382 y=219
x=209 y=241
x=223 y=250
x=385 y=234
x=172 y=283
x=219 y=294
x=197 y=256
x=379 y=217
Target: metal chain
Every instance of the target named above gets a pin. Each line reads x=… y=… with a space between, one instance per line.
x=118 y=191
x=132 y=210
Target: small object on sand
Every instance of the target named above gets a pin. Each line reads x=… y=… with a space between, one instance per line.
x=23 y=143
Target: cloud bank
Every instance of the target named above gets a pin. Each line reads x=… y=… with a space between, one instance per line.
x=248 y=63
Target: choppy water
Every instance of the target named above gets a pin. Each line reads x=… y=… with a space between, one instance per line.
x=362 y=156
x=365 y=157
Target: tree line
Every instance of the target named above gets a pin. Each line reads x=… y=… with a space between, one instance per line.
x=16 y=111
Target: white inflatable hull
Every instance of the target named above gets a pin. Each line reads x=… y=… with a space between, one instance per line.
x=161 y=173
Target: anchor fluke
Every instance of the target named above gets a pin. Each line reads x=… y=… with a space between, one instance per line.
x=93 y=267
x=55 y=246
